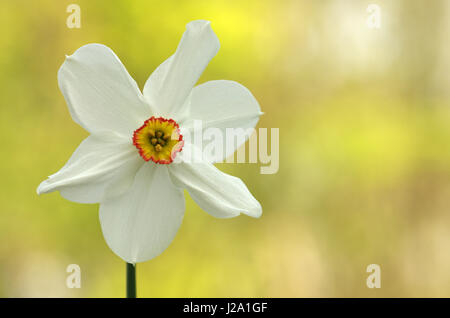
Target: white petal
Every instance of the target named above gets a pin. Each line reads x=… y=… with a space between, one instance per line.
x=171 y=83
x=140 y=224
x=100 y=93
x=99 y=168
x=224 y=104
x=217 y=193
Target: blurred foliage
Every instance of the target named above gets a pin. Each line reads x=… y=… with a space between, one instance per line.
x=364 y=149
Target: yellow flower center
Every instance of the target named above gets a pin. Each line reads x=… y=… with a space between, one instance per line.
x=158 y=139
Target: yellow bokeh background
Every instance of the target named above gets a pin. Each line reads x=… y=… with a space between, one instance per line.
x=364 y=176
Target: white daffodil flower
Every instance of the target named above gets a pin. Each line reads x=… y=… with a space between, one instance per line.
x=127 y=163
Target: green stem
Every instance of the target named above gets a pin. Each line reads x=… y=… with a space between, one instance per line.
x=131 y=280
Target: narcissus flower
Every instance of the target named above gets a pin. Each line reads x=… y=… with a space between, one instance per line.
x=135 y=162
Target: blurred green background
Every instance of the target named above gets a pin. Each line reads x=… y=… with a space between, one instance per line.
x=364 y=150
